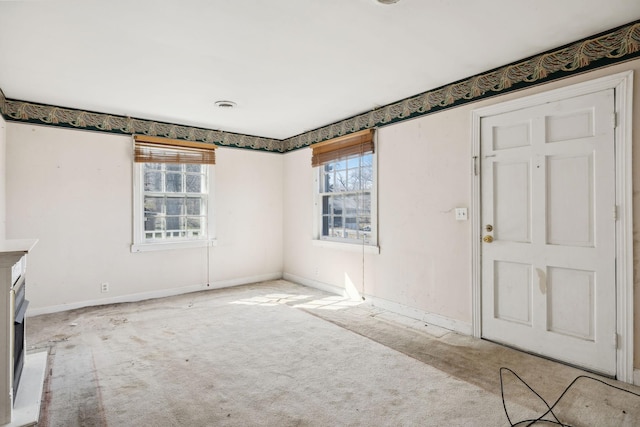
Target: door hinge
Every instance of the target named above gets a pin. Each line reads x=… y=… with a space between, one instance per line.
x=614 y=120
x=475 y=165
x=615 y=340
x=615 y=212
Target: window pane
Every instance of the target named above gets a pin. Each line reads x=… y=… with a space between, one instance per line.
x=366 y=178
x=152 y=166
x=353 y=162
x=174 y=167
x=153 y=222
x=153 y=181
x=153 y=211
x=153 y=204
x=366 y=172
x=351 y=223
x=174 y=182
x=340 y=165
x=194 y=206
x=194 y=168
x=337 y=204
x=353 y=176
x=173 y=223
x=340 y=183
x=365 y=204
x=194 y=183
x=194 y=223
x=351 y=204
x=351 y=228
x=174 y=206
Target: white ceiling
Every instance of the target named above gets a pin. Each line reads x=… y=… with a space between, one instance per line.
x=290 y=65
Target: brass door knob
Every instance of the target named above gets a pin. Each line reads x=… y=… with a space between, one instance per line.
x=488 y=239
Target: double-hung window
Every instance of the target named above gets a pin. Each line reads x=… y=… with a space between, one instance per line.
x=172 y=193
x=346 y=189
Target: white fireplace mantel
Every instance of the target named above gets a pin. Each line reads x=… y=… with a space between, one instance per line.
x=11 y=252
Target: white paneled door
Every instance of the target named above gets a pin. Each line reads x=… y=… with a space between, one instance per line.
x=548 y=227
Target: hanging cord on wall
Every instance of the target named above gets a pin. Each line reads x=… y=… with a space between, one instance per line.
x=363 y=298
x=360 y=202
x=208 y=264
x=550 y=408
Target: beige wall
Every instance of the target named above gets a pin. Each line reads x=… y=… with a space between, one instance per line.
x=73 y=191
x=424 y=171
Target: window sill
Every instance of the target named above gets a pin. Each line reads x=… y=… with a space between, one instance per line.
x=348 y=247
x=165 y=246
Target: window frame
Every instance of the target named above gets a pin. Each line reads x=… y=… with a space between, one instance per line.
x=141 y=244
x=355 y=245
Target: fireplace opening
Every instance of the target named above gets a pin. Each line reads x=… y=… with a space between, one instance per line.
x=19 y=339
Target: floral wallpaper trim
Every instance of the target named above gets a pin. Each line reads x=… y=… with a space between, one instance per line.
x=617 y=45
x=79 y=119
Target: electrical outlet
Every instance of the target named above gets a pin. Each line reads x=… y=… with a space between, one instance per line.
x=461 y=214
x=104 y=287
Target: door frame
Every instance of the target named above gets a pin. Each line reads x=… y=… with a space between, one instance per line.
x=622 y=83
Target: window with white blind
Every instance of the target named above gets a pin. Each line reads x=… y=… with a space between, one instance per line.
x=172 y=194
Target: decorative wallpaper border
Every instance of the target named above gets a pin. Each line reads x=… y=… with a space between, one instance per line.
x=610 y=47
x=617 y=45
x=51 y=115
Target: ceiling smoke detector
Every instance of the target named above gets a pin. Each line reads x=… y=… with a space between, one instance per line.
x=388 y=1
x=225 y=104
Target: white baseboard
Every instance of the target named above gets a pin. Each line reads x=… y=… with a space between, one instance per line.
x=154 y=294
x=424 y=316
x=245 y=280
x=636 y=377
x=315 y=284
x=410 y=312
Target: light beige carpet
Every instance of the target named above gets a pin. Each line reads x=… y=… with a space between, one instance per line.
x=270 y=354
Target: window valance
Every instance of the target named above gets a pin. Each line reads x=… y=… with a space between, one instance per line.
x=332 y=149
x=153 y=149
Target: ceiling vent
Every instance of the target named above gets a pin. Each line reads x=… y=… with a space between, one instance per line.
x=225 y=104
